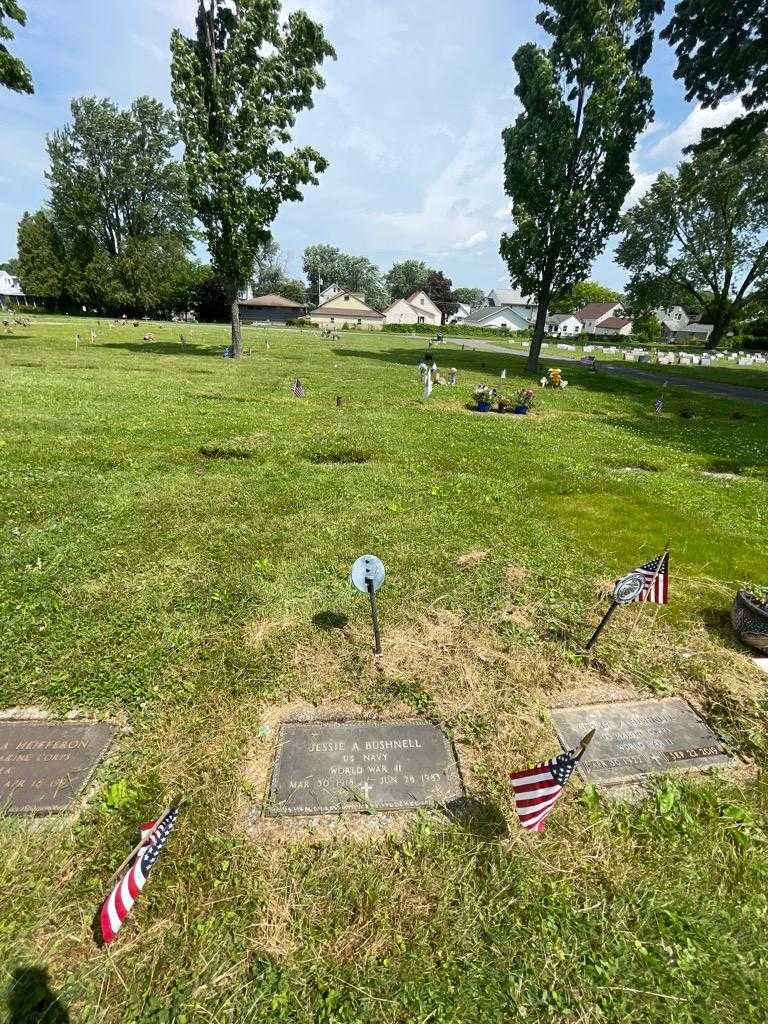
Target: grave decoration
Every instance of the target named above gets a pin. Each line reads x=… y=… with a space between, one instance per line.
x=648 y=584
x=749 y=617
x=45 y=765
x=484 y=396
x=554 y=380
x=354 y=766
x=537 y=789
x=367 y=575
x=636 y=739
x=139 y=863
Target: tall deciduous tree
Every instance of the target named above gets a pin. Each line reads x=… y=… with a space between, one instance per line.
x=406 y=278
x=238 y=86
x=14 y=73
x=701 y=232
x=722 y=49
x=585 y=101
x=472 y=297
x=41 y=267
x=326 y=265
x=113 y=176
x=579 y=294
x=440 y=289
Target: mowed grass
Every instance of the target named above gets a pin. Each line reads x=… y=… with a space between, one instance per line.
x=177 y=529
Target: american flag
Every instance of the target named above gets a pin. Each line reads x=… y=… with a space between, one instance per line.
x=298 y=389
x=656 y=573
x=119 y=903
x=537 y=789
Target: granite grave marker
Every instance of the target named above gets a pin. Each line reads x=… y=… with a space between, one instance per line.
x=338 y=767
x=45 y=765
x=639 y=738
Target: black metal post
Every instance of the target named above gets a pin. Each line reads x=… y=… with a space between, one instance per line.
x=601 y=625
x=374 y=616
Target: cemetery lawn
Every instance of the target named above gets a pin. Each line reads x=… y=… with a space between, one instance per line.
x=176 y=534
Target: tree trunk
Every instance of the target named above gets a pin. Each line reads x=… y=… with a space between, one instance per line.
x=237 y=337
x=538 y=331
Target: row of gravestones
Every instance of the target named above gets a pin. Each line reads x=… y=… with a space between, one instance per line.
x=331 y=767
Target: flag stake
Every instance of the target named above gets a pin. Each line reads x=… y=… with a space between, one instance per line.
x=601 y=625
x=374 y=616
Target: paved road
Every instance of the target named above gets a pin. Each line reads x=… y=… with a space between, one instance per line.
x=709 y=387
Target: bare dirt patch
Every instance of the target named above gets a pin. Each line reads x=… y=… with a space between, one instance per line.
x=472 y=558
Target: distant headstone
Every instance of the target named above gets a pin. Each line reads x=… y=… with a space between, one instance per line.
x=45 y=765
x=339 y=767
x=640 y=738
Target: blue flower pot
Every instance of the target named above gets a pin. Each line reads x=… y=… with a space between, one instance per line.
x=521 y=410
x=483 y=406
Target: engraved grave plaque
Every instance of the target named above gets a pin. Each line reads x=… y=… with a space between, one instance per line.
x=639 y=738
x=339 y=767
x=45 y=765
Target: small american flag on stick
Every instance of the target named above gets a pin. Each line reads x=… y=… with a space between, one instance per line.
x=656 y=573
x=537 y=789
x=119 y=903
x=298 y=389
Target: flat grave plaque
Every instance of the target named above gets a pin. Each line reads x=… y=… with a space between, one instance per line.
x=339 y=767
x=639 y=738
x=45 y=765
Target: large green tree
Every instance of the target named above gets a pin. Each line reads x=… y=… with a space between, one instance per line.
x=584 y=102
x=701 y=233
x=472 y=297
x=325 y=265
x=113 y=176
x=41 y=261
x=440 y=289
x=406 y=278
x=238 y=86
x=578 y=295
x=722 y=49
x=14 y=73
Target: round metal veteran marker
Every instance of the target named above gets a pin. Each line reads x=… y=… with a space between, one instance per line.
x=629 y=588
x=367 y=575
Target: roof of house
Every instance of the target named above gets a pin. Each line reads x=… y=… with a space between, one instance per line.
x=693 y=328
x=593 y=310
x=486 y=312
x=614 y=323
x=272 y=300
x=511 y=297
x=558 y=318
x=351 y=312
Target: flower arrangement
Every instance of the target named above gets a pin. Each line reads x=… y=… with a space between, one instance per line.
x=554 y=380
x=525 y=398
x=484 y=394
x=504 y=404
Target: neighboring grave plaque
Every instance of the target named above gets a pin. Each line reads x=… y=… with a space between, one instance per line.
x=639 y=738
x=337 y=767
x=45 y=765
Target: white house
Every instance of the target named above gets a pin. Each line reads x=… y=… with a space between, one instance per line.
x=461 y=314
x=346 y=309
x=10 y=286
x=563 y=325
x=671 y=315
x=499 y=316
x=613 y=325
x=509 y=297
x=595 y=313
x=688 y=332
x=416 y=309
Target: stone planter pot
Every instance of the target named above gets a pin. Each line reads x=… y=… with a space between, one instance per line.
x=749 y=618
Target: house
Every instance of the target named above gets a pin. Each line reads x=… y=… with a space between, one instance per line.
x=512 y=298
x=416 y=309
x=613 y=325
x=595 y=313
x=688 y=332
x=10 y=287
x=460 y=315
x=563 y=325
x=346 y=309
x=328 y=293
x=271 y=309
x=672 y=315
x=498 y=317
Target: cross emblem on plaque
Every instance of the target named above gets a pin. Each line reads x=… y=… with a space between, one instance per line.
x=366 y=789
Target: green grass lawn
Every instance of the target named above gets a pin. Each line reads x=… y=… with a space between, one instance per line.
x=176 y=532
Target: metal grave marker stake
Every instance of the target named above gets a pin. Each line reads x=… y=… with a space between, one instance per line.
x=362 y=766
x=367 y=575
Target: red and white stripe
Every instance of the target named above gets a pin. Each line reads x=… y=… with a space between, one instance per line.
x=120 y=901
x=657 y=588
x=536 y=791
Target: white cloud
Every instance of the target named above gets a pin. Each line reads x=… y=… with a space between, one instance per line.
x=473 y=241
x=670 y=148
x=367 y=143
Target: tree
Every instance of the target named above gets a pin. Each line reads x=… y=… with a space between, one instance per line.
x=722 y=49
x=439 y=289
x=647 y=326
x=294 y=290
x=326 y=265
x=472 y=297
x=406 y=278
x=14 y=73
x=238 y=87
x=701 y=232
x=11 y=267
x=268 y=270
x=113 y=176
x=211 y=299
x=578 y=295
x=41 y=267
x=585 y=101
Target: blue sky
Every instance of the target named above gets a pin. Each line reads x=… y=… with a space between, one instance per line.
x=410 y=120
